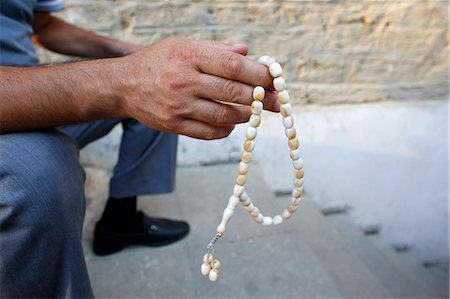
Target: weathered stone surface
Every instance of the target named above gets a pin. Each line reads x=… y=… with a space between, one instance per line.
x=341 y=52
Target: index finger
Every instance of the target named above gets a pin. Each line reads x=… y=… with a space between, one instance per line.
x=230 y=65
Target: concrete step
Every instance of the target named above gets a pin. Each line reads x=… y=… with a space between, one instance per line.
x=306 y=257
x=401 y=278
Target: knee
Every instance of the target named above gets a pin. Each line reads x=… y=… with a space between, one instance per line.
x=40 y=175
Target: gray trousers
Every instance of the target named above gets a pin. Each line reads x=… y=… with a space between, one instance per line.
x=42 y=201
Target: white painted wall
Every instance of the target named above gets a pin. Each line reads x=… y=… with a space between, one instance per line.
x=386 y=162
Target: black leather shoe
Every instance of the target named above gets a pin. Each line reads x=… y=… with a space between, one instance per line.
x=154 y=232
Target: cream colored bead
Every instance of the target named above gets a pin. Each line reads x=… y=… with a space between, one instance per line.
x=244 y=196
x=255 y=120
x=288 y=122
x=249 y=145
x=267 y=220
x=275 y=70
x=298 y=164
x=250 y=208
x=213 y=275
x=297 y=192
x=257 y=107
x=286 y=214
x=293 y=144
x=205 y=269
x=246 y=202
x=295 y=154
x=298 y=183
x=237 y=190
x=246 y=157
x=241 y=179
x=277 y=220
x=207 y=258
x=291 y=133
x=299 y=173
x=221 y=228
x=259 y=219
x=233 y=201
x=251 y=133
x=263 y=59
x=215 y=264
x=283 y=97
x=296 y=201
x=270 y=61
x=279 y=84
x=255 y=212
x=292 y=209
x=259 y=93
x=286 y=110
x=243 y=167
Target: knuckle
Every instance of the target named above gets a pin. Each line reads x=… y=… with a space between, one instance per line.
x=209 y=134
x=231 y=91
x=221 y=115
x=231 y=65
x=177 y=81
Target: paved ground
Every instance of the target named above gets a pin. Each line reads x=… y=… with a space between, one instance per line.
x=310 y=256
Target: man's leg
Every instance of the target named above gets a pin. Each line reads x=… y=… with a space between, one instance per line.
x=41 y=217
x=147 y=161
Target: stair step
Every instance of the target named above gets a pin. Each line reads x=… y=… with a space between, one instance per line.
x=400 y=279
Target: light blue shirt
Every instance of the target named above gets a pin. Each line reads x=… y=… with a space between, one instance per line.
x=16 y=17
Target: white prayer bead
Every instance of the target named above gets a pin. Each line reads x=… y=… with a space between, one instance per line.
x=259 y=219
x=246 y=157
x=270 y=61
x=257 y=107
x=207 y=258
x=288 y=122
x=263 y=59
x=237 y=190
x=298 y=164
x=267 y=221
x=221 y=228
x=286 y=214
x=205 y=269
x=295 y=201
x=291 y=133
x=246 y=202
x=213 y=275
x=275 y=70
x=292 y=209
x=251 y=133
x=286 y=110
x=215 y=264
x=279 y=84
x=233 y=201
x=293 y=144
x=244 y=196
x=283 y=97
x=255 y=212
x=295 y=154
x=243 y=167
x=297 y=192
x=277 y=220
x=227 y=214
x=259 y=93
x=241 y=179
x=249 y=145
x=250 y=208
x=255 y=120
x=298 y=183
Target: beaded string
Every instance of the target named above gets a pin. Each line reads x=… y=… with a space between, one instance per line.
x=210 y=266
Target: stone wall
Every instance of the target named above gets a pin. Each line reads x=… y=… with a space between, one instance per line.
x=370 y=83
x=333 y=51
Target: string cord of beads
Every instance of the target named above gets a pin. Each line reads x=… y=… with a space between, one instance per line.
x=210 y=266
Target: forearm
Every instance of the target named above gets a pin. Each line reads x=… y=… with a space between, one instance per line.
x=58 y=36
x=42 y=97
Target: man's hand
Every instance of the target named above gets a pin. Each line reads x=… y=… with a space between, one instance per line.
x=175 y=86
